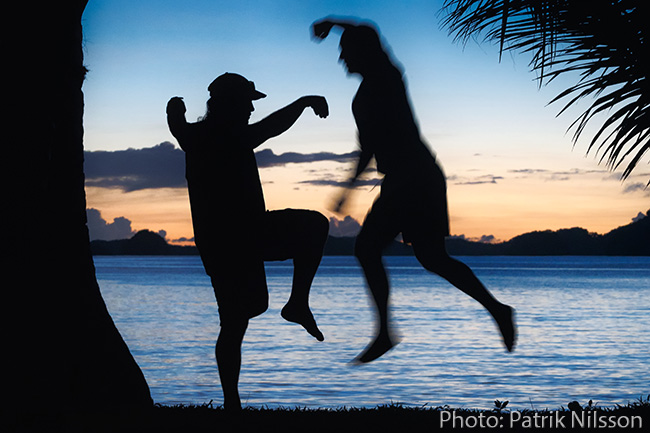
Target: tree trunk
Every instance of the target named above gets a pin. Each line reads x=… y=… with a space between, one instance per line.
x=62 y=347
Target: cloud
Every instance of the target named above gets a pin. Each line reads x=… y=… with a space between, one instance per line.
x=636 y=187
x=341 y=183
x=163 y=166
x=539 y=173
x=486 y=239
x=266 y=157
x=347 y=227
x=480 y=180
x=120 y=228
x=568 y=174
x=100 y=229
x=555 y=175
x=182 y=239
x=529 y=171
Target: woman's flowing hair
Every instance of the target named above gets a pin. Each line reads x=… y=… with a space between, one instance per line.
x=363 y=40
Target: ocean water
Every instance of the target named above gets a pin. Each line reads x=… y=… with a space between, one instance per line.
x=584 y=333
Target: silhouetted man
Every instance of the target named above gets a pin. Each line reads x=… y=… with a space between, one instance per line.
x=233 y=231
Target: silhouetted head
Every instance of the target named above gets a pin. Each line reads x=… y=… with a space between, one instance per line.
x=362 y=50
x=231 y=99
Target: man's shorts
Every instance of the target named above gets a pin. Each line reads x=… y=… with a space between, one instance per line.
x=238 y=275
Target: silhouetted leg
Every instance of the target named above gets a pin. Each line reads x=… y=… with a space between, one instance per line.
x=312 y=235
x=228 y=353
x=433 y=256
x=374 y=237
x=301 y=236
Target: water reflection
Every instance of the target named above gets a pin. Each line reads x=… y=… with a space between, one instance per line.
x=577 y=341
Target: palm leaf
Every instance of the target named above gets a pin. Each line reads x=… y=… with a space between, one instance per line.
x=603 y=42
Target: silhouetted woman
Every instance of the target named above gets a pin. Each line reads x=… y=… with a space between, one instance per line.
x=413 y=198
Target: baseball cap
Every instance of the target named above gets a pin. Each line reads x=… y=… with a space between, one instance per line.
x=230 y=84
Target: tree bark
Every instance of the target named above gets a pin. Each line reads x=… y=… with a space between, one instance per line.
x=62 y=348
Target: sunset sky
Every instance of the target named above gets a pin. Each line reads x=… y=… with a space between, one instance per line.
x=511 y=165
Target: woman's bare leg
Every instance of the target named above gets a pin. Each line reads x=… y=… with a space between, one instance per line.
x=433 y=256
x=368 y=250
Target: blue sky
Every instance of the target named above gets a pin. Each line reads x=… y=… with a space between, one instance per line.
x=510 y=164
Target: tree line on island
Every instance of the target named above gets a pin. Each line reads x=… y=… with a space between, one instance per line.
x=629 y=240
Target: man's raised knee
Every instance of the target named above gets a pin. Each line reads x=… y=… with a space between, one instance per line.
x=317 y=226
x=321 y=224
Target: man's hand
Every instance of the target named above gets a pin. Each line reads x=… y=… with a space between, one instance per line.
x=318 y=104
x=176 y=106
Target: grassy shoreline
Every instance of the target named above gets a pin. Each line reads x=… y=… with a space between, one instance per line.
x=634 y=416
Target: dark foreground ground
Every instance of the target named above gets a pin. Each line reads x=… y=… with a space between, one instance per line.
x=634 y=417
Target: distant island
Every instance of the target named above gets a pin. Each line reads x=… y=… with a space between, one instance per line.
x=629 y=240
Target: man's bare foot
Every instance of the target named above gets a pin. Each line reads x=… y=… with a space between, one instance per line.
x=377 y=348
x=304 y=317
x=505 y=318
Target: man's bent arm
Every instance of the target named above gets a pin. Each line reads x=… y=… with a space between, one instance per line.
x=283 y=119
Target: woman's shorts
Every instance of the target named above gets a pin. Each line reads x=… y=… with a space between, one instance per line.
x=416 y=207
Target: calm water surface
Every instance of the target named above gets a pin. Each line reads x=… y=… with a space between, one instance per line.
x=584 y=333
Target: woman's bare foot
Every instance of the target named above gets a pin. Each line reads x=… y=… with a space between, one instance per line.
x=382 y=344
x=505 y=318
x=303 y=317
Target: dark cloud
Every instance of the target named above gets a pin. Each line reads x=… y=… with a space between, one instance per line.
x=480 y=180
x=568 y=174
x=636 y=187
x=163 y=166
x=529 y=171
x=555 y=175
x=486 y=239
x=100 y=229
x=266 y=157
x=120 y=228
x=346 y=227
x=540 y=173
x=182 y=240
x=341 y=183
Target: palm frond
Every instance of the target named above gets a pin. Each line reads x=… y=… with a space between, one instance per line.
x=604 y=42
